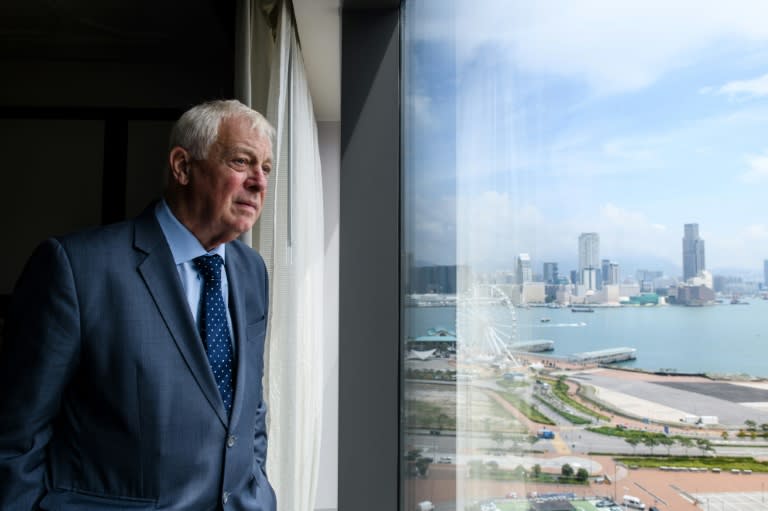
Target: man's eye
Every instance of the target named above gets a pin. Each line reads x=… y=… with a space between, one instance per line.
x=266 y=170
x=240 y=161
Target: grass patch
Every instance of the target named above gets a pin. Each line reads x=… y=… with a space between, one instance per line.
x=428 y=415
x=491 y=471
x=625 y=433
x=523 y=505
x=573 y=419
x=526 y=408
x=724 y=463
x=560 y=389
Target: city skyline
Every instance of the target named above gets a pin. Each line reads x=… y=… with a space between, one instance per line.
x=588 y=256
x=527 y=134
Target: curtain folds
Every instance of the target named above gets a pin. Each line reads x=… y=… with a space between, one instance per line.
x=290 y=238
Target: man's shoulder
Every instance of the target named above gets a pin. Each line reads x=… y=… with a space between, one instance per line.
x=95 y=237
x=106 y=237
x=245 y=255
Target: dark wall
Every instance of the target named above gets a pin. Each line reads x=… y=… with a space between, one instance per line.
x=89 y=93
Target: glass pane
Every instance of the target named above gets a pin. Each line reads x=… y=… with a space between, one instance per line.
x=585 y=255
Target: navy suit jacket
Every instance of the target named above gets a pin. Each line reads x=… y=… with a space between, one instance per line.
x=107 y=399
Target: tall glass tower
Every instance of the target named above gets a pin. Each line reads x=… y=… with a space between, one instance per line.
x=589 y=255
x=693 y=252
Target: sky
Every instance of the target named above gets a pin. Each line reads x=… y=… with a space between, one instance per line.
x=528 y=123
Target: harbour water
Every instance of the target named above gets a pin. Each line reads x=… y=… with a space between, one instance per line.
x=718 y=339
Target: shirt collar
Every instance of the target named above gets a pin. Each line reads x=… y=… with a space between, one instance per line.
x=184 y=246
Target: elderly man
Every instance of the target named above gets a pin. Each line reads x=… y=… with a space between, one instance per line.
x=131 y=371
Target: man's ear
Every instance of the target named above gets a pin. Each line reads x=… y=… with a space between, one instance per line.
x=180 y=161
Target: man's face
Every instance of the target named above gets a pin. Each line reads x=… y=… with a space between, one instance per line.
x=227 y=189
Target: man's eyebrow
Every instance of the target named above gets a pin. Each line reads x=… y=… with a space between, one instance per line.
x=247 y=150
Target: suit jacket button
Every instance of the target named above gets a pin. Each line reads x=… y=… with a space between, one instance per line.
x=225 y=497
x=231 y=441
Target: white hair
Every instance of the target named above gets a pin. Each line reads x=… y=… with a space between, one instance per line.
x=198 y=127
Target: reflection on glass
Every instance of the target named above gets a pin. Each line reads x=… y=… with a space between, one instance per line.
x=586 y=254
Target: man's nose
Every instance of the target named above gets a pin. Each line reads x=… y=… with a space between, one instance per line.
x=258 y=179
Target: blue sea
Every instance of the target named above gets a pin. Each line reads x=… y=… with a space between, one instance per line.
x=718 y=339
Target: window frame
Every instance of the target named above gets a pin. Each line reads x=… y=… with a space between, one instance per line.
x=370 y=257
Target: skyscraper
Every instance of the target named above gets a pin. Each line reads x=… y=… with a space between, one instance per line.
x=589 y=256
x=550 y=273
x=693 y=252
x=610 y=272
x=524 y=270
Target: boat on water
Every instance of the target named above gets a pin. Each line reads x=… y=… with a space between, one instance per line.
x=545 y=320
x=581 y=308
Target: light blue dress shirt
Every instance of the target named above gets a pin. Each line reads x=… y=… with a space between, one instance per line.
x=184 y=248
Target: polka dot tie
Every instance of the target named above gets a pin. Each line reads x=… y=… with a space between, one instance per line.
x=214 y=328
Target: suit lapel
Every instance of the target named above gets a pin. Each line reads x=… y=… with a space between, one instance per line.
x=237 y=311
x=159 y=273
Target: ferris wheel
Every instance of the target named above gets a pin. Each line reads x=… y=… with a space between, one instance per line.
x=487 y=324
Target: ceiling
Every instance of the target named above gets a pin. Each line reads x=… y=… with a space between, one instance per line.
x=82 y=30
x=182 y=31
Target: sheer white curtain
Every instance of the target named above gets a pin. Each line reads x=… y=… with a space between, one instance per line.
x=290 y=237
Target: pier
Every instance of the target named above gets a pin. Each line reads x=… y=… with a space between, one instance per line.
x=605 y=356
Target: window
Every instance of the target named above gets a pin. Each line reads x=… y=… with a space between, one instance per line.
x=583 y=253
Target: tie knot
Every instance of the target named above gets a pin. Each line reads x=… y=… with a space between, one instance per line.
x=209 y=267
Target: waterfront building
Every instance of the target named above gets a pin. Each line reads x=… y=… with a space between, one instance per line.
x=432 y=279
x=693 y=252
x=533 y=292
x=550 y=273
x=609 y=294
x=691 y=295
x=648 y=279
x=629 y=289
x=589 y=250
x=563 y=294
x=589 y=260
x=610 y=272
x=524 y=270
x=589 y=278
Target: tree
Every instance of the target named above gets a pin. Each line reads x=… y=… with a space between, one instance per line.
x=633 y=441
x=724 y=435
x=704 y=444
x=567 y=470
x=650 y=442
x=536 y=471
x=422 y=465
x=582 y=474
x=764 y=427
x=750 y=424
x=686 y=442
x=667 y=442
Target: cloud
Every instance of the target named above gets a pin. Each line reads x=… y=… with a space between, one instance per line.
x=758 y=169
x=756 y=232
x=421 y=106
x=611 y=46
x=756 y=87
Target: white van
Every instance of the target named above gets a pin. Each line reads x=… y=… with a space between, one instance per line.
x=633 y=502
